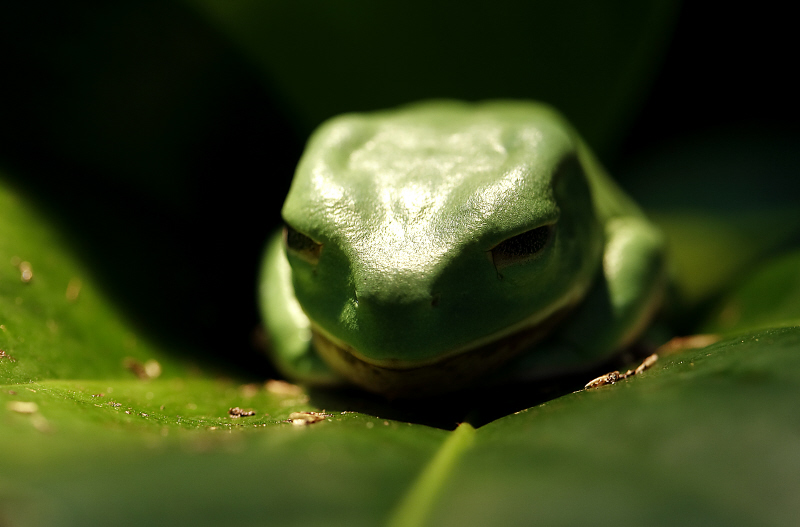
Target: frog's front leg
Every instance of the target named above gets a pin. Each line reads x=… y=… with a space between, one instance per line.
x=288 y=327
x=627 y=294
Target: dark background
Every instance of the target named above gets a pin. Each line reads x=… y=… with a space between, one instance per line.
x=724 y=68
x=164 y=150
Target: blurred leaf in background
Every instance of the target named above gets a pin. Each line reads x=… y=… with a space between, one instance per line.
x=593 y=61
x=726 y=200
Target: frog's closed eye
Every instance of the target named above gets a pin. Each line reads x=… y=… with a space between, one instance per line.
x=522 y=247
x=301 y=245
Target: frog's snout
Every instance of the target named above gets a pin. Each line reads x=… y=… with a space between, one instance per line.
x=393 y=288
x=395 y=301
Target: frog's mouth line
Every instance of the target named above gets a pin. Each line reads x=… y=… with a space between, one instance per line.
x=451 y=372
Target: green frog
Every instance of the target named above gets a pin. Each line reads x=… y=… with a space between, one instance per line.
x=445 y=244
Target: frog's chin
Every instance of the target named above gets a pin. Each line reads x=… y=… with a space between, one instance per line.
x=453 y=371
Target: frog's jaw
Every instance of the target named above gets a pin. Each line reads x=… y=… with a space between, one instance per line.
x=454 y=371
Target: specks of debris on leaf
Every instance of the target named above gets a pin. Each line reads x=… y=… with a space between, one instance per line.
x=646 y=363
x=608 y=378
x=306 y=418
x=98 y=394
x=135 y=367
x=293 y=394
x=25 y=271
x=283 y=388
x=32 y=409
x=23 y=407
x=152 y=368
x=614 y=376
x=149 y=370
x=5 y=355
x=236 y=412
x=73 y=289
x=249 y=390
x=115 y=405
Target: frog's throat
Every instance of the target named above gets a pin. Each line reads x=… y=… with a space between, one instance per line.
x=452 y=372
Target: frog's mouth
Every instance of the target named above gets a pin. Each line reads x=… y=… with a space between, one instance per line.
x=454 y=371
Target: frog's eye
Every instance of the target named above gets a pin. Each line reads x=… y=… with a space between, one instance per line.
x=522 y=246
x=301 y=245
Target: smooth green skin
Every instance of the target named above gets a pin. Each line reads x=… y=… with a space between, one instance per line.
x=408 y=204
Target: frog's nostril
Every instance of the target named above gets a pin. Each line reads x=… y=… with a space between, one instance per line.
x=394 y=304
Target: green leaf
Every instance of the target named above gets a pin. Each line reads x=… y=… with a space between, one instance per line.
x=709 y=250
x=768 y=298
x=726 y=199
x=171 y=454
x=706 y=437
x=709 y=435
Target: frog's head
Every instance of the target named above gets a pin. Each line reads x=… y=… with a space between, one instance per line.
x=430 y=244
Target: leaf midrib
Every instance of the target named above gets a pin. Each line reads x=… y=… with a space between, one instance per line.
x=415 y=506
